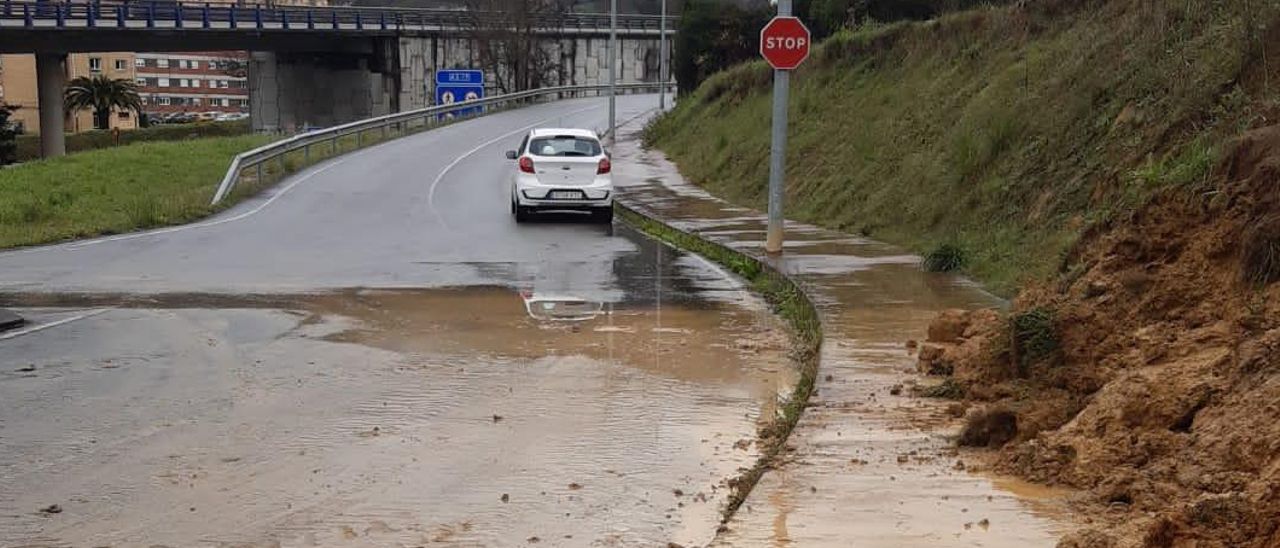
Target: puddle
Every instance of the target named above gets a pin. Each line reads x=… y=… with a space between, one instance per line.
x=381 y=417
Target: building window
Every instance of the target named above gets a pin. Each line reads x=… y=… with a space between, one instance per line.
x=140 y=81
x=163 y=82
x=124 y=115
x=195 y=101
x=139 y=62
x=162 y=63
x=95 y=64
x=120 y=64
x=163 y=101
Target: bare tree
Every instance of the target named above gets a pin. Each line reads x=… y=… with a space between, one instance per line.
x=232 y=63
x=504 y=35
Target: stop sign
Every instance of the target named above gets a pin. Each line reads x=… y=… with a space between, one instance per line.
x=784 y=42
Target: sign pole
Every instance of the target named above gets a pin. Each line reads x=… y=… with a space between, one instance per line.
x=613 y=68
x=778 y=149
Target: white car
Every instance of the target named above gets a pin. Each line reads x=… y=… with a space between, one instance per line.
x=561 y=170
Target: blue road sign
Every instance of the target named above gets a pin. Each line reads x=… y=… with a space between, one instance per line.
x=456 y=86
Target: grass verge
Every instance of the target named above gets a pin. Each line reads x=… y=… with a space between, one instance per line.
x=787 y=300
x=114 y=190
x=29 y=145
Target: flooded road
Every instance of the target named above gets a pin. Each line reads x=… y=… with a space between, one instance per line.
x=374 y=354
x=870 y=465
x=381 y=418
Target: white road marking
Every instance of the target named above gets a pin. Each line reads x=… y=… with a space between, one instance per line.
x=44 y=326
x=431 y=193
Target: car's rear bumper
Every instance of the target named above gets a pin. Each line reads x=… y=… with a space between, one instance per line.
x=583 y=204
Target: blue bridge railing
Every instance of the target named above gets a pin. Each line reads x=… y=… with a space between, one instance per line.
x=151 y=14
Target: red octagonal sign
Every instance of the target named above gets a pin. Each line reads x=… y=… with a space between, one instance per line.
x=784 y=42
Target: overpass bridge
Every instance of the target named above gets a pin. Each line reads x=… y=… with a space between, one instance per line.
x=318 y=66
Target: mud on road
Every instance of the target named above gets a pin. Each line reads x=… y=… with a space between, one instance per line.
x=469 y=417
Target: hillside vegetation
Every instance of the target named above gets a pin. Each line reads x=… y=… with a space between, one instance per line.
x=997 y=134
x=1115 y=165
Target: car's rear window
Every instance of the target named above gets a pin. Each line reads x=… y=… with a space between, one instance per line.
x=564 y=145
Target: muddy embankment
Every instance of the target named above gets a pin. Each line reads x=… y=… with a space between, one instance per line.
x=1113 y=167
x=1149 y=373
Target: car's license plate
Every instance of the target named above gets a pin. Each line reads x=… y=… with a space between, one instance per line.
x=566 y=195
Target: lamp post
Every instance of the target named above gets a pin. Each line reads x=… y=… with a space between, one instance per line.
x=613 y=67
x=662 y=58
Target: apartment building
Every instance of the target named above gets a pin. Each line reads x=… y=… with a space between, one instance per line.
x=193 y=81
x=18 y=87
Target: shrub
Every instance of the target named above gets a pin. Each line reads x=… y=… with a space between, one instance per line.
x=948 y=390
x=1261 y=257
x=944 y=258
x=8 y=135
x=1035 y=336
x=28 y=146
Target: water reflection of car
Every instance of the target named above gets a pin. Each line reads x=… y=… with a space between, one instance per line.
x=560 y=308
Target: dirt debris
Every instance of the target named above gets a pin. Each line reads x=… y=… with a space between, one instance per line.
x=989 y=427
x=1150 y=378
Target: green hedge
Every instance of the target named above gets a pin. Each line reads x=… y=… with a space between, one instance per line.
x=29 y=145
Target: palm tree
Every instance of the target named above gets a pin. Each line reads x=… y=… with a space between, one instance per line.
x=102 y=95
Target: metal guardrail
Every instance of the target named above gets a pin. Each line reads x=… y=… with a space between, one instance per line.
x=402 y=122
x=153 y=14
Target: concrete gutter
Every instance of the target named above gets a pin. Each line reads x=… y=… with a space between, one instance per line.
x=865 y=445
x=788 y=299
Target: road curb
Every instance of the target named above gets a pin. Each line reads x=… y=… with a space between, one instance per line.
x=787 y=298
x=10 y=320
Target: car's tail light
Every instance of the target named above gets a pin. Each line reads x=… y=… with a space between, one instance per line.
x=526 y=164
x=605 y=167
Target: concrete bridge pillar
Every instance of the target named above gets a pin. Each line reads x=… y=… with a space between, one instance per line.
x=51 y=82
x=415 y=68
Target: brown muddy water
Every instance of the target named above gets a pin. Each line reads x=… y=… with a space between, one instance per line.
x=471 y=417
x=868 y=465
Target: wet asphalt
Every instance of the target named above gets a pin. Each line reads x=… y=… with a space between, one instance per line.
x=368 y=354
x=429 y=210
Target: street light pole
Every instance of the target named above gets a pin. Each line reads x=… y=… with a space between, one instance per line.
x=613 y=68
x=662 y=59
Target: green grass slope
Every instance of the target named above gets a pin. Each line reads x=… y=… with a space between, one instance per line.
x=114 y=190
x=997 y=135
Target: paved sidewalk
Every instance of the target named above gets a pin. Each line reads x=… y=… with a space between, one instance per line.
x=869 y=468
